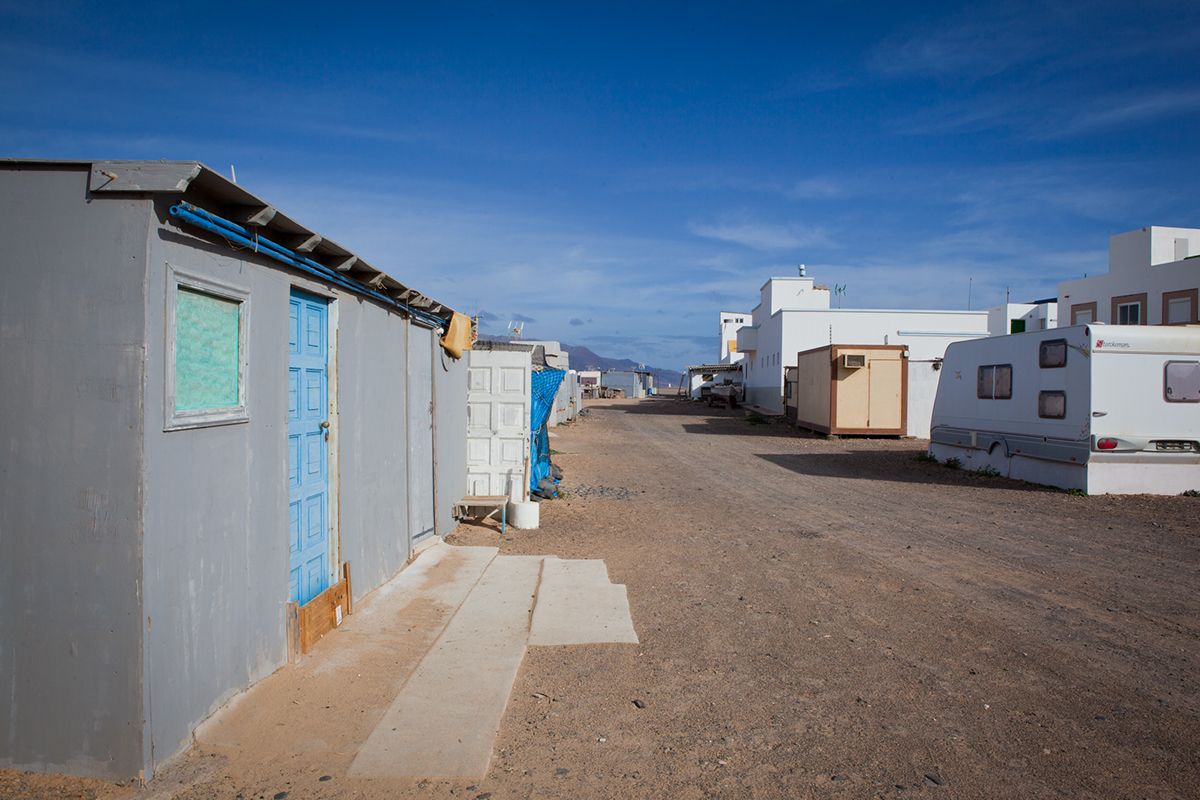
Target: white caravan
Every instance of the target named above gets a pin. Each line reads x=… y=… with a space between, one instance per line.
x=1101 y=408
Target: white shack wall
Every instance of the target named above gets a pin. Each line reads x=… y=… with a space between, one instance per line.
x=786 y=333
x=420 y=434
x=72 y=325
x=451 y=379
x=215 y=505
x=145 y=573
x=217 y=548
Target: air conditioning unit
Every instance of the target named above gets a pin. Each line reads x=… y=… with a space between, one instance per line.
x=854 y=360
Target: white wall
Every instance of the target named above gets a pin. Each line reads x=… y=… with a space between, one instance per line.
x=1037 y=317
x=1139 y=261
x=556 y=357
x=730 y=323
x=1133 y=251
x=779 y=294
x=927 y=334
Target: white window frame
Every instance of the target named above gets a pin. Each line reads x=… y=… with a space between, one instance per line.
x=1179 y=302
x=1122 y=307
x=173 y=419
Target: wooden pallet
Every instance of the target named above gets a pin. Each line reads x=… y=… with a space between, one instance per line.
x=308 y=623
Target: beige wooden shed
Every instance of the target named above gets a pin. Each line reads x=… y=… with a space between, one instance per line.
x=849 y=389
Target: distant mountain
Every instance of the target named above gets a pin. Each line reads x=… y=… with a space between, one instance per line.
x=582 y=358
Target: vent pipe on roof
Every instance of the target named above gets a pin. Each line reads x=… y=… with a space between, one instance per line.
x=801 y=270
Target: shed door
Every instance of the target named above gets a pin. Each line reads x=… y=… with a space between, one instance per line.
x=420 y=434
x=885 y=374
x=308 y=447
x=498 y=412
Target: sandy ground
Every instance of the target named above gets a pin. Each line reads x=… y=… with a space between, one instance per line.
x=818 y=618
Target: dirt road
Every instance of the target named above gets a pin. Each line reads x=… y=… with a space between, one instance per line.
x=834 y=618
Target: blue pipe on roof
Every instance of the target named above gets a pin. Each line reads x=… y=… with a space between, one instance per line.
x=252 y=235
x=237 y=234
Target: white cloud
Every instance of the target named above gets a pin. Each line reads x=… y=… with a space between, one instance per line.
x=1129 y=111
x=817 y=189
x=763 y=236
x=982 y=43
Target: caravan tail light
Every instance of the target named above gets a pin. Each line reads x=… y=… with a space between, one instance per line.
x=1106 y=444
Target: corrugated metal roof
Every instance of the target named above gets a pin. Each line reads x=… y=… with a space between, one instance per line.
x=215 y=193
x=716 y=368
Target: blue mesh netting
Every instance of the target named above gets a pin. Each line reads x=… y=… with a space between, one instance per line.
x=545 y=387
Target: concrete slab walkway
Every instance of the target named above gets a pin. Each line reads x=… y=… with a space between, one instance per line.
x=474 y=613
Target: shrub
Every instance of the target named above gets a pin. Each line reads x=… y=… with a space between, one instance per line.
x=988 y=471
x=952 y=463
x=928 y=458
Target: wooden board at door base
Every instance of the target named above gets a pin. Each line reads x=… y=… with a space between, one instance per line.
x=308 y=623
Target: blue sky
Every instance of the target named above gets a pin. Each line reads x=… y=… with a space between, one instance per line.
x=615 y=175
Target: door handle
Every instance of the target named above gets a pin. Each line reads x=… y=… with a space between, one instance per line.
x=325 y=425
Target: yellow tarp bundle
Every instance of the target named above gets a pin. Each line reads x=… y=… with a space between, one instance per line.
x=458 y=335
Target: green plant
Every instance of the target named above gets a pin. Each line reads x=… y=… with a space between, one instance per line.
x=1191 y=493
x=928 y=458
x=756 y=419
x=1077 y=492
x=952 y=463
x=554 y=452
x=988 y=471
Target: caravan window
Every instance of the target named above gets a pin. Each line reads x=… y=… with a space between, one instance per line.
x=1052 y=405
x=1052 y=354
x=1182 y=381
x=995 y=382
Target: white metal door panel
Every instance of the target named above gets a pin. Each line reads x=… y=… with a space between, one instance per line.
x=498 y=411
x=420 y=434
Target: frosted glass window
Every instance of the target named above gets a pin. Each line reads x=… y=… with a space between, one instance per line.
x=207 y=351
x=994 y=382
x=1183 y=382
x=1052 y=354
x=207 y=335
x=1052 y=405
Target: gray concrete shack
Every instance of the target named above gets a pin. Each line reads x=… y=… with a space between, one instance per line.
x=634 y=383
x=200 y=427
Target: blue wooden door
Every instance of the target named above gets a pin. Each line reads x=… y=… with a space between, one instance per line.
x=308 y=445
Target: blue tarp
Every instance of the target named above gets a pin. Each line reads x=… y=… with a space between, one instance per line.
x=545 y=387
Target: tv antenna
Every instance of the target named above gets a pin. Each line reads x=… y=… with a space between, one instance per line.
x=515 y=329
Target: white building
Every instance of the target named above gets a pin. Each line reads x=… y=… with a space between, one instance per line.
x=556 y=357
x=794 y=315
x=1152 y=279
x=731 y=322
x=1020 y=317
x=589 y=383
